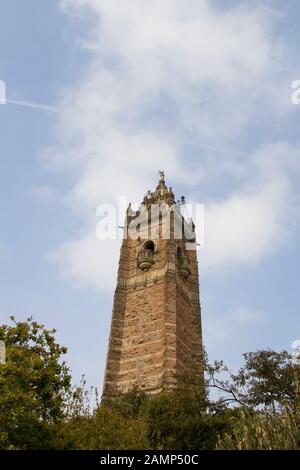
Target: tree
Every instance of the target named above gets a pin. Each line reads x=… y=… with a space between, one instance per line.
x=113 y=430
x=39 y=409
x=263 y=430
x=268 y=378
x=179 y=420
x=34 y=383
x=130 y=404
x=114 y=424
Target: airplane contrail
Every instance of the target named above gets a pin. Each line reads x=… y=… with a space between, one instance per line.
x=215 y=149
x=31 y=104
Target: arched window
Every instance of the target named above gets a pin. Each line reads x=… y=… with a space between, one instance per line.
x=146 y=256
x=179 y=253
x=149 y=246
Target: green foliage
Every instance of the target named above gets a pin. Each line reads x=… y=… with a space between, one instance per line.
x=262 y=431
x=39 y=409
x=33 y=383
x=113 y=430
x=268 y=378
x=178 y=421
x=129 y=404
x=135 y=421
x=116 y=424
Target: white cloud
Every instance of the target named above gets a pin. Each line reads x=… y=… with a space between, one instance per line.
x=88 y=262
x=162 y=74
x=257 y=218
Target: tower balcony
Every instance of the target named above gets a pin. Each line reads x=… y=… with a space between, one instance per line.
x=146 y=259
x=183 y=267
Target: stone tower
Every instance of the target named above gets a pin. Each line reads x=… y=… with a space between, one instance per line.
x=155 y=332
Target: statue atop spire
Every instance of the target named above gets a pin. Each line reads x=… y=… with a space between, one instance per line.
x=161 y=194
x=161 y=176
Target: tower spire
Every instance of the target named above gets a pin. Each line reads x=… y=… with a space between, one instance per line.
x=161 y=195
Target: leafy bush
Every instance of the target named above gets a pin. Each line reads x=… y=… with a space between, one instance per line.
x=263 y=431
x=258 y=408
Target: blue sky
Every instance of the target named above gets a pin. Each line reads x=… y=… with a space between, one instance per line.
x=199 y=89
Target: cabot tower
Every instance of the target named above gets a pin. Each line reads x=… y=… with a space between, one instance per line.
x=155 y=332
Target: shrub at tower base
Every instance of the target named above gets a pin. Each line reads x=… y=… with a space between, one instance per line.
x=258 y=408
